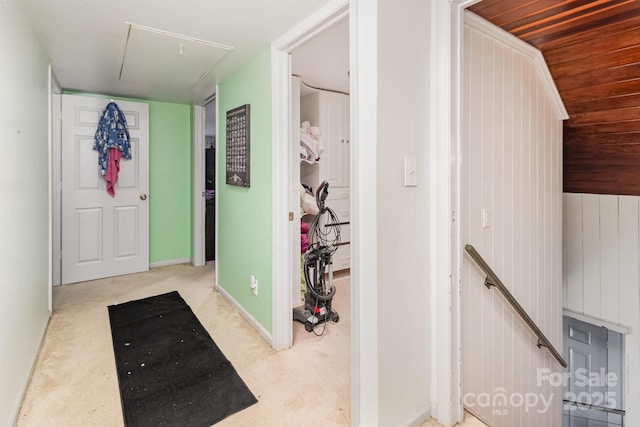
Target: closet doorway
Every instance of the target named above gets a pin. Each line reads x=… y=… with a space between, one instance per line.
x=320 y=129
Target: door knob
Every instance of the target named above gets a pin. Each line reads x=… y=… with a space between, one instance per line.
x=143 y=197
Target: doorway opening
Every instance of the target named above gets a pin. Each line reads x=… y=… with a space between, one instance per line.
x=210 y=180
x=320 y=149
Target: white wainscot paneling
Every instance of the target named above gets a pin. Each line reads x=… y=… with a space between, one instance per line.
x=512 y=215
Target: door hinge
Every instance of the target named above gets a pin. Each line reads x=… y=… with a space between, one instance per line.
x=290 y=216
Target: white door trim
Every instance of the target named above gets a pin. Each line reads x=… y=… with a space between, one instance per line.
x=56 y=181
x=217 y=183
x=199 y=206
x=363 y=58
x=363 y=21
x=282 y=228
x=446 y=107
x=282 y=316
x=55 y=110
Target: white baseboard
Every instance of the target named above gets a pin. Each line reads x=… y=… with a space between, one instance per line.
x=245 y=314
x=15 y=411
x=421 y=419
x=169 y=262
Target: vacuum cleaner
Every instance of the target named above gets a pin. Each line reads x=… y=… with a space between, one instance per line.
x=324 y=239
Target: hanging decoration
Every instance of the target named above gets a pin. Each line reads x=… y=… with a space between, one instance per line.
x=112 y=142
x=237 y=146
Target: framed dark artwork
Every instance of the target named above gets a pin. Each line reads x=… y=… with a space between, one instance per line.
x=238 y=146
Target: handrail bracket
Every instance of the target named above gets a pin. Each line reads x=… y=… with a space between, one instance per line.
x=488 y=283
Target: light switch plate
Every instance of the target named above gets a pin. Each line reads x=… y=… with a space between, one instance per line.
x=410 y=172
x=486 y=218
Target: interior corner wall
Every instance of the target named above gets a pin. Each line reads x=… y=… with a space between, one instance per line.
x=403 y=213
x=245 y=214
x=512 y=215
x=24 y=216
x=601 y=276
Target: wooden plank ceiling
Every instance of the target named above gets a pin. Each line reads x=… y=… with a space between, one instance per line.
x=592 y=48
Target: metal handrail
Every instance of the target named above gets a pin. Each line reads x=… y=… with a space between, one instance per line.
x=493 y=280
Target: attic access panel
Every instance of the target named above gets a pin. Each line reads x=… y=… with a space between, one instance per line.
x=155 y=57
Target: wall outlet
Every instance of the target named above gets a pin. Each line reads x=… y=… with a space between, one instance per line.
x=254 y=285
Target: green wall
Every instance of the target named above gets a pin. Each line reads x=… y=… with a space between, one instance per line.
x=170 y=172
x=245 y=214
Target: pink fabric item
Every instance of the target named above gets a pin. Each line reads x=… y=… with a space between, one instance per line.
x=304 y=239
x=113 y=167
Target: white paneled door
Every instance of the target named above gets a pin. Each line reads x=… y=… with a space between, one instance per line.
x=592 y=390
x=103 y=236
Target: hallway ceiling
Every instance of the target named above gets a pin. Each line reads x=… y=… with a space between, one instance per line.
x=178 y=52
x=166 y=51
x=592 y=48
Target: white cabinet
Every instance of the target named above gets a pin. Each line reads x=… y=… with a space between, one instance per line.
x=329 y=111
x=334 y=126
x=334 y=167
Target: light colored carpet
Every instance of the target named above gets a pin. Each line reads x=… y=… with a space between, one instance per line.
x=74 y=382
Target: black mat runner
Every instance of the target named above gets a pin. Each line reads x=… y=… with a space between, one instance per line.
x=170 y=371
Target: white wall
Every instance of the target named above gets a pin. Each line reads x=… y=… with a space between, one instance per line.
x=24 y=215
x=512 y=160
x=601 y=277
x=403 y=213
